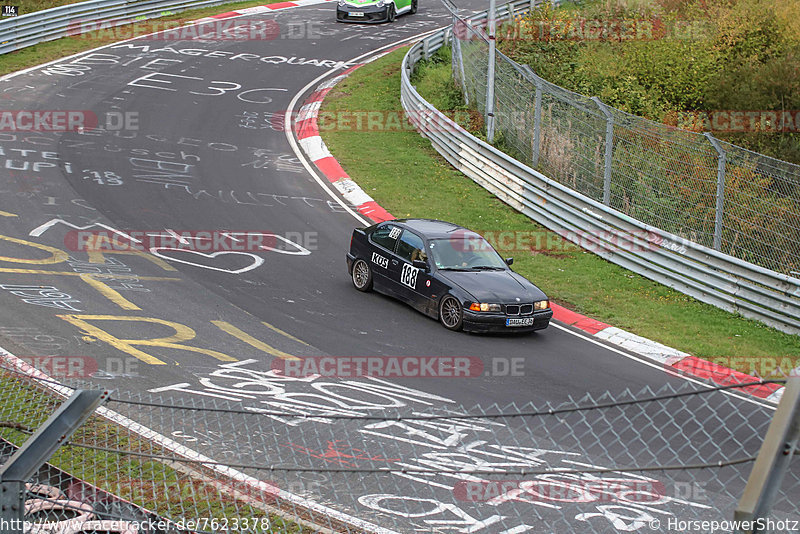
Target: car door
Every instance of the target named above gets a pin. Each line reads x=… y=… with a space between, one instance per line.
x=383 y=241
x=412 y=280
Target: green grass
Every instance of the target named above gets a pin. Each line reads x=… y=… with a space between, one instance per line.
x=145 y=482
x=52 y=50
x=29 y=6
x=406 y=176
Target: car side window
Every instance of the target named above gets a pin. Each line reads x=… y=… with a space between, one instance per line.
x=411 y=247
x=386 y=236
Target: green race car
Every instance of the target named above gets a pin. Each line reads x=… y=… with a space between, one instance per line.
x=372 y=11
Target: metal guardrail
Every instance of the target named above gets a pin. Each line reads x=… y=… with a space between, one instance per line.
x=57 y=22
x=698 y=271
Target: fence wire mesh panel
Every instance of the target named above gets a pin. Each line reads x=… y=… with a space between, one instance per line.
x=659 y=175
x=254 y=450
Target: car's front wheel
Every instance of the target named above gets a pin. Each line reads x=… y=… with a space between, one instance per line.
x=362 y=275
x=390 y=13
x=451 y=315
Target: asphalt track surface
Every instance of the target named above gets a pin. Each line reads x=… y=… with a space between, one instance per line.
x=206 y=154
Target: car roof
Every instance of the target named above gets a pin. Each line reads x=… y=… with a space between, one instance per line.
x=432 y=228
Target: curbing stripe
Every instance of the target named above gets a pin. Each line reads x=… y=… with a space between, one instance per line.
x=641 y=345
x=307 y=133
x=723 y=376
x=374 y=211
x=314 y=147
x=332 y=170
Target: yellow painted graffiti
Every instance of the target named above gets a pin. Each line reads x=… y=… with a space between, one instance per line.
x=108 y=292
x=182 y=333
x=56 y=255
x=250 y=340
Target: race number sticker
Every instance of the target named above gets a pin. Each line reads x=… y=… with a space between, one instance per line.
x=379 y=260
x=409 y=276
x=395 y=233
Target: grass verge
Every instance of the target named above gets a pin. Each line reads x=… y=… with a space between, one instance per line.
x=401 y=170
x=52 y=50
x=123 y=468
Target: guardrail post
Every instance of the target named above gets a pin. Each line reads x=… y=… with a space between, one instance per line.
x=774 y=459
x=721 y=157
x=24 y=463
x=609 y=150
x=492 y=26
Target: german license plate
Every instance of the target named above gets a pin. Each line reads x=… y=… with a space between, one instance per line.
x=521 y=321
x=356 y=13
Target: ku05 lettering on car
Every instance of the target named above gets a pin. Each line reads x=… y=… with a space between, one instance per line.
x=409 y=276
x=380 y=261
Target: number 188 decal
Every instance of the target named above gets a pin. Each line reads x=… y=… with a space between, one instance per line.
x=409 y=276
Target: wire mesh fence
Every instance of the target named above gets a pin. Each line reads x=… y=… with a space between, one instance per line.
x=692 y=185
x=273 y=460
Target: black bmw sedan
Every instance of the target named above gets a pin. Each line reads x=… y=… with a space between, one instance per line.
x=447 y=272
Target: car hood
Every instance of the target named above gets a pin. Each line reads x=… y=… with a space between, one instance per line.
x=503 y=287
x=361 y=2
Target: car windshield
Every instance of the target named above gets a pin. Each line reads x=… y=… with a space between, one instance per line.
x=465 y=253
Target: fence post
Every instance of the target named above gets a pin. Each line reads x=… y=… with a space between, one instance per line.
x=492 y=26
x=609 y=150
x=537 y=114
x=773 y=461
x=459 y=25
x=721 y=157
x=37 y=449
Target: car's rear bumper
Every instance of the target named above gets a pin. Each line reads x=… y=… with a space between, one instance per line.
x=372 y=14
x=483 y=322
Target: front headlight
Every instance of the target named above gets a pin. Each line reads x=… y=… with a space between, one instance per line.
x=381 y=3
x=541 y=305
x=341 y=3
x=484 y=307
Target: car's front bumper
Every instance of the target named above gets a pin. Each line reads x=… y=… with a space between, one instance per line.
x=496 y=322
x=372 y=14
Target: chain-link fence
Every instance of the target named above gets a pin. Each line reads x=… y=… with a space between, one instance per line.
x=692 y=185
x=384 y=458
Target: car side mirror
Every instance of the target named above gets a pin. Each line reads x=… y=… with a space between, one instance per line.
x=509 y=261
x=420 y=264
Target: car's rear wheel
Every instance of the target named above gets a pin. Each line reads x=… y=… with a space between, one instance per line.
x=390 y=13
x=413 y=6
x=451 y=315
x=362 y=275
